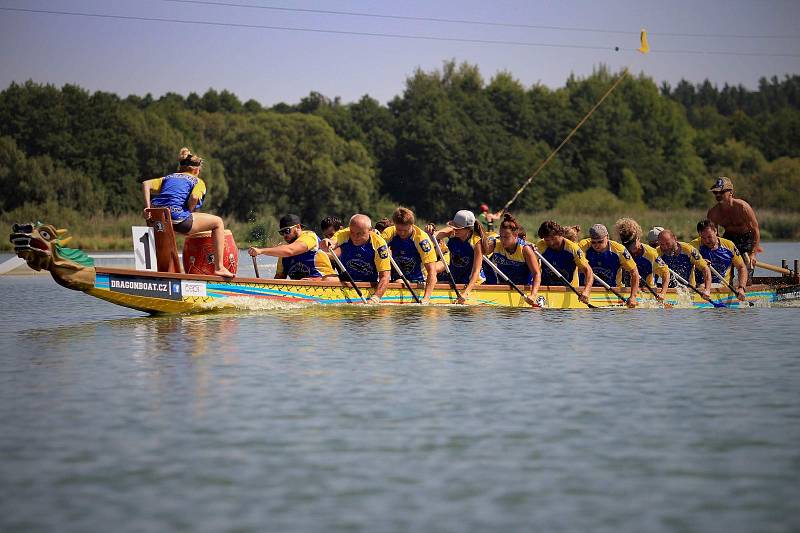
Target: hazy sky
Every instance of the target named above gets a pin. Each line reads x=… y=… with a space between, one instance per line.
x=134 y=56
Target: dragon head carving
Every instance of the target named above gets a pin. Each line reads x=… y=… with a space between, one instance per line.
x=42 y=247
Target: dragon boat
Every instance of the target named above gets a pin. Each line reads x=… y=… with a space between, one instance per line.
x=42 y=246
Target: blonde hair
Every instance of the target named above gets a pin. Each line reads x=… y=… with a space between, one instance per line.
x=628 y=230
x=187 y=160
x=572 y=232
x=403 y=215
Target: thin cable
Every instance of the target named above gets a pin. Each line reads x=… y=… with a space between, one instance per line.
x=479 y=22
x=385 y=35
x=566 y=139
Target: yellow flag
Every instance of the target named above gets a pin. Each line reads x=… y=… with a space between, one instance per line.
x=643 y=39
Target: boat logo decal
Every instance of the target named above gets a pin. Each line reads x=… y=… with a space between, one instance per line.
x=141 y=286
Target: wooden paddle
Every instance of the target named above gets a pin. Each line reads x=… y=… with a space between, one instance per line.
x=446 y=266
x=774 y=268
x=513 y=285
x=558 y=274
x=347 y=275
x=687 y=284
x=726 y=282
x=255 y=266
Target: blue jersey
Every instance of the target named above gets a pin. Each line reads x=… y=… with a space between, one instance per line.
x=313 y=263
x=566 y=261
x=365 y=261
x=607 y=264
x=512 y=264
x=174 y=192
x=410 y=253
x=683 y=262
x=725 y=256
x=462 y=257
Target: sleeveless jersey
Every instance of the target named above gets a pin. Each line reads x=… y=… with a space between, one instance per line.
x=608 y=264
x=363 y=262
x=462 y=257
x=684 y=262
x=174 y=192
x=722 y=259
x=311 y=264
x=566 y=261
x=410 y=253
x=512 y=264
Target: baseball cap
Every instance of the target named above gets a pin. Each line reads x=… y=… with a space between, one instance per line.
x=722 y=184
x=463 y=219
x=598 y=231
x=652 y=235
x=287 y=221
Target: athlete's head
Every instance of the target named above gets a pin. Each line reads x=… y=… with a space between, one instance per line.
x=360 y=226
x=572 y=232
x=290 y=228
x=630 y=233
x=188 y=162
x=598 y=237
x=330 y=225
x=382 y=224
x=403 y=219
x=667 y=241
x=707 y=230
x=509 y=230
x=552 y=233
x=722 y=189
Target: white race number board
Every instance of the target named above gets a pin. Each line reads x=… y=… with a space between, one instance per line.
x=144 y=248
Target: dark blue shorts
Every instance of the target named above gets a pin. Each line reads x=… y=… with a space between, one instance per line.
x=184 y=226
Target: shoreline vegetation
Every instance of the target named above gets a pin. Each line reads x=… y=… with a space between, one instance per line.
x=105 y=232
x=451 y=140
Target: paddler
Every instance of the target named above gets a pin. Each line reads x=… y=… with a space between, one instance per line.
x=565 y=255
x=608 y=259
x=465 y=235
x=648 y=263
x=329 y=226
x=300 y=257
x=183 y=193
x=738 y=219
x=412 y=250
x=722 y=254
x=683 y=258
x=513 y=257
x=363 y=253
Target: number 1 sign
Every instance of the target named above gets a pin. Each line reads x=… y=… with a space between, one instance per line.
x=144 y=248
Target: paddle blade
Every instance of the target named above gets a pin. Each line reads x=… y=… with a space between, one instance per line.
x=644 y=48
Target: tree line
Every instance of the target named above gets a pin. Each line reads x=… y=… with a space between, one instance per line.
x=450 y=140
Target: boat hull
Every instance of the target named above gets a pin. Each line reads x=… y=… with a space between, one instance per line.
x=158 y=292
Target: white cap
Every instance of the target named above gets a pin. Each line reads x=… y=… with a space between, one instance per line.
x=652 y=235
x=463 y=219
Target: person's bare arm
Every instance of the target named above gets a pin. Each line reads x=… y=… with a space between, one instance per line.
x=430 y=282
x=383 y=284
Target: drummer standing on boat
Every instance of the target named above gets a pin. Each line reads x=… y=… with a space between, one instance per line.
x=363 y=253
x=738 y=219
x=300 y=257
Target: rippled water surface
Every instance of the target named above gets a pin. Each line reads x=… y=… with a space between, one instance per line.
x=395 y=419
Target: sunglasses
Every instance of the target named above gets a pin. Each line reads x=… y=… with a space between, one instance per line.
x=598 y=241
x=286 y=231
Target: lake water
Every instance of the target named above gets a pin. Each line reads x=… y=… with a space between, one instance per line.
x=395 y=419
